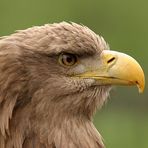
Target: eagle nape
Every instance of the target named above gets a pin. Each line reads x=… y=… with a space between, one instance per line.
x=53 y=78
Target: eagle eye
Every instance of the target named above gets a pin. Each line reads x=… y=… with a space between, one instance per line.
x=67 y=59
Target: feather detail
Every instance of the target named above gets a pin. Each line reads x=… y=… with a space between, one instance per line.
x=41 y=104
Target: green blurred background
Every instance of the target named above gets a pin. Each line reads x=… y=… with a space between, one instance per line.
x=123 y=121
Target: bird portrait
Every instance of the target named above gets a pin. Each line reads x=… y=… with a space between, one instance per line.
x=52 y=80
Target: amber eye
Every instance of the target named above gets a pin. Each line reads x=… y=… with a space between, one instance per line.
x=67 y=59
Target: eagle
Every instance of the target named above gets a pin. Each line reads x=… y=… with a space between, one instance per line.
x=52 y=80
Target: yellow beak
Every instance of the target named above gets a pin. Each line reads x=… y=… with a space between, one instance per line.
x=117 y=69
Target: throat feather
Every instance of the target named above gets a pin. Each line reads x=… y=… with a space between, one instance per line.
x=76 y=133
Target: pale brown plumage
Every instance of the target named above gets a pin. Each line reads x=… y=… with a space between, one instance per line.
x=41 y=104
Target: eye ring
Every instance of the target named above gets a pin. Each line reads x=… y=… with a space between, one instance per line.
x=67 y=59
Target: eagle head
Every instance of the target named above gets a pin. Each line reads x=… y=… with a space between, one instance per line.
x=53 y=78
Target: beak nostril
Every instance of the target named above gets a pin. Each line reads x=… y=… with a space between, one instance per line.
x=110 y=60
x=137 y=82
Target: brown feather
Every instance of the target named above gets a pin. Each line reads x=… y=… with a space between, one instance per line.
x=40 y=107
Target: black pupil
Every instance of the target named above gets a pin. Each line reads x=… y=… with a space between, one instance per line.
x=69 y=59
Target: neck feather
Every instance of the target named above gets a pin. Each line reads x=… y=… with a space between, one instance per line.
x=71 y=133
